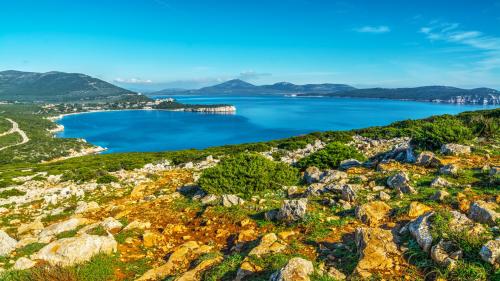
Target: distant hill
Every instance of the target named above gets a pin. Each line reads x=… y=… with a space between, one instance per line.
x=56 y=87
x=427 y=93
x=238 y=86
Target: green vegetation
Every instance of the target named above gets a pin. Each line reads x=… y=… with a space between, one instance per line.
x=247 y=175
x=11 y=192
x=225 y=271
x=330 y=156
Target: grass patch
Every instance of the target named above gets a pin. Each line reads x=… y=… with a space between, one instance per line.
x=11 y=192
x=226 y=270
x=330 y=156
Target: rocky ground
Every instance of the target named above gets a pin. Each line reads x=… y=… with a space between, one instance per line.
x=397 y=216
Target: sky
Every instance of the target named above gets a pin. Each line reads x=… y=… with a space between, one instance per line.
x=154 y=44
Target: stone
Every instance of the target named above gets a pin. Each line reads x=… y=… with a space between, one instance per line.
x=349 y=163
x=271 y=215
x=334 y=273
x=312 y=175
x=195 y=273
x=7 y=244
x=334 y=175
x=60 y=227
x=446 y=254
x=427 y=159
x=400 y=182
x=440 y=182
x=141 y=225
x=377 y=251
x=229 y=200
x=417 y=209
x=494 y=171
x=420 y=230
x=112 y=225
x=75 y=250
x=34 y=227
x=455 y=149
x=450 y=169
x=440 y=195
x=316 y=189
x=372 y=213
x=210 y=199
x=23 y=263
x=151 y=238
x=384 y=196
x=297 y=269
x=484 y=212
x=348 y=193
x=84 y=207
x=269 y=243
x=490 y=252
x=292 y=210
x=293 y=191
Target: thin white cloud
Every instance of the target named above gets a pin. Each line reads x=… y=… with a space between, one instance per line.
x=133 y=81
x=373 y=29
x=488 y=46
x=251 y=75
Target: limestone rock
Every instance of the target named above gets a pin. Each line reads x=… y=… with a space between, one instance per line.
x=427 y=159
x=229 y=200
x=420 y=230
x=377 y=251
x=372 y=213
x=292 y=210
x=440 y=182
x=137 y=225
x=455 y=149
x=74 y=250
x=417 y=209
x=440 y=195
x=349 y=163
x=446 y=254
x=400 y=182
x=334 y=175
x=111 y=225
x=269 y=243
x=195 y=273
x=449 y=169
x=490 y=252
x=348 y=193
x=484 y=212
x=60 y=227
x=384 y=196
x=7 y=244
x=84 y=207
x=151 y=238
x=23 y=264
x=34 y=227
x=312 y=175
x=210 y=199
x=297 y=269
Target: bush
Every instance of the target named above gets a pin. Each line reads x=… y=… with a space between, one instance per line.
x=247 y=174
x=107 y=178
x=330 y=156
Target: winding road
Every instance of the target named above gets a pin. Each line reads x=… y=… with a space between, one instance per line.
x=15 y=129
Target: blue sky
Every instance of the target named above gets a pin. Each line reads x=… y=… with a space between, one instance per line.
x=185 y=43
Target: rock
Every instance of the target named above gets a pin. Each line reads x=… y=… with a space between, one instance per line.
x=449 y=169
x=417 y=209
x=420 y=230
x=23 y=264
x=427 y=159
x=349 y=163
x=33 y=227
x=372 y=213
x=484 y=212
x=292 y=210
x=316 y=189
x=111 y=225
x=334 y=175
x=293 y=191
x=490 y=252
x=297 y=269
x=7 y=244
x=151 y=238
x=269 y=243
x=141 y=225
x=348 y=193
x=271 y=215
x=454 y=149
x=494 y=171
x=440 y=182
x=74 y=250
x=440 y=195
x=312 y=175
x=229 y=200
x=446 y=254
x=334 y=273
x=195 y=273
x=60 y=227
x=400 y=182
x=84 y=207
x=210 y=199
x=377 y=251
x=384 y=196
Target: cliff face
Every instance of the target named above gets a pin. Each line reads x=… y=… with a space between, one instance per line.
x=228 y=108
x=487 y=100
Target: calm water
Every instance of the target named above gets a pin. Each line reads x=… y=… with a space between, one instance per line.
x=257 y=119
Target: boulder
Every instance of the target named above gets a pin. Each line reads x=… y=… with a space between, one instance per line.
x=372 y=213
x=229 y=200
x=334 y=176
x=7 y=244
x=446 y=254
x=400 y=182
x=151 y=238
x=195 y=273
x=297 y=269
x=417 y=209
x=384 y=196
x=450 y=169
x=111 y=225
x=210 y=199
x=269 y=243
x=377 y=251
x=454 y=149
x=348 y=193
x=23 y=264
x=34 y=227
x=420 y=230
x=292 y=210
x=484 y=212
x=490 y=252
x=316 y=189
x=427 y=159
x=312 y=175
x=440 y=182
x=349 y=163
x=440 y=195
x=60 y=227
x=494 y=171
x=84 y=207
x=74 y=250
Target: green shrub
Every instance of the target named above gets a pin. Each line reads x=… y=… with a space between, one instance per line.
x=247 y=174
x=330 y=156
x=107 y=178
x=11 y=192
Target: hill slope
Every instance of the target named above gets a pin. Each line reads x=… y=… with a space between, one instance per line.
x=55 y=86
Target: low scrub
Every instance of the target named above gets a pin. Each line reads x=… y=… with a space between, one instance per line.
x=247 y=174
x=330 y=156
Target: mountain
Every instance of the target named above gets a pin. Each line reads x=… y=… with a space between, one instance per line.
x=238 y=86
x=55 y=87
x=426 y=93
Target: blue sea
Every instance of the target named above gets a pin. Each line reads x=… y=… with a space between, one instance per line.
x=258 y=118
